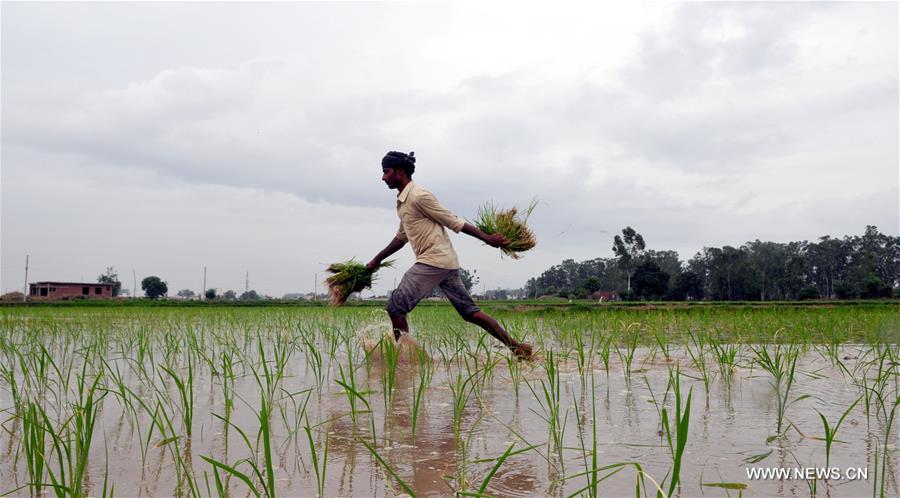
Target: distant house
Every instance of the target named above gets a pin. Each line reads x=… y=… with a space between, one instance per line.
x=69 y=290
x=606 y=296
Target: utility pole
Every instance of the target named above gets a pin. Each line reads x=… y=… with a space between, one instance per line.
x=247 y=282
x=203 y=292
x=315 y=287
x=134 y=282
x=25 y=289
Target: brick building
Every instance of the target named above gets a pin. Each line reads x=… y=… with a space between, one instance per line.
x=69 y=290
x=606 y=296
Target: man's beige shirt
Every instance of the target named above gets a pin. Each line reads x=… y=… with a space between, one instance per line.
x=422 y=222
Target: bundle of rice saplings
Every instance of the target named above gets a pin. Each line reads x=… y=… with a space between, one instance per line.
x=349 y=277
x=509 y=223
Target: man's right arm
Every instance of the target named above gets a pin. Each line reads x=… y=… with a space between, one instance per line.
x=392 y=247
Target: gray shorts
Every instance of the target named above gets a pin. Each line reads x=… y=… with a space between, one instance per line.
x=418 y=283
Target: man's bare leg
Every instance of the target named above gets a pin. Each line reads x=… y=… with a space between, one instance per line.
x=398 y=322
x=487 y=322
x=480 y=318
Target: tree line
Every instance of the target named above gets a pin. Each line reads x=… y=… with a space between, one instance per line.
x=861 y=266
x=154 y=287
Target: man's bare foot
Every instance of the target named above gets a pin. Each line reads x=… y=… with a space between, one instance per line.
x=522 y=351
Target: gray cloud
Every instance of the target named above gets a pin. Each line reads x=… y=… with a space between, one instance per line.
x=714 y=122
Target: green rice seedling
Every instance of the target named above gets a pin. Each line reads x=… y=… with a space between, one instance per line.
x=390 y=470
x=830 y=351
x=479 y=371
x=152 y=415
x=333 y=339
x=696 y=348
x=584 y=355
x=184 y=472
x=172 y=346
x=726 y=359
x=36 y=373
x=498 y=462
x=8 y=375
x=197 y=347
x=268 y=380
x=109 y=490
x=35 y=369
x=84 y=418
x=226 y=364
x=231 y=470
x=72 y=440
x=144 y=350
x=352 y=395
x=679 y=426
x=631 y=338
x=34 y=437
x=293 y=419
x=831 y=432
x=461 y=479
x=220 y=486
x=62 y=448
x=426 y=372
x=613 y=470
x=349 y=277
x=658 y=404
x=886 y=370
x=861 y=381
x=515 y=372
x=605 y=350
x=484 y=359
x=390 y=352
x=590 y=468
x=264 y=474
x=461 y=389
x=781 y=364
x=509 y=223
x=348 y=382
x=282 y=349
x=665 y=346
x=319 y=465
x=265 y=435
x=881 y=475
x=314 y=361
x=120 y=387
x=640 y=486
x=185 y=388
x=550 y=402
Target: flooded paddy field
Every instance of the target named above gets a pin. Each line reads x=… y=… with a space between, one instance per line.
x=306 y=401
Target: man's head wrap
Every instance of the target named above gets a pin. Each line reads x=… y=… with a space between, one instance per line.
x=394 y=159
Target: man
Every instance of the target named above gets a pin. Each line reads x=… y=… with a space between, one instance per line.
x=422 y=222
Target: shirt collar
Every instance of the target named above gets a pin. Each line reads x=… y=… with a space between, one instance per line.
x=401 y=197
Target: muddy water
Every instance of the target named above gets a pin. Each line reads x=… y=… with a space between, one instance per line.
x=729 y=424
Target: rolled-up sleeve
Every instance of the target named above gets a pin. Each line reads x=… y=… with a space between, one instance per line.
x=401 y=233
x=432 y=208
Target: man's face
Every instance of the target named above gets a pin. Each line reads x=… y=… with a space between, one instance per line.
x=392 y=177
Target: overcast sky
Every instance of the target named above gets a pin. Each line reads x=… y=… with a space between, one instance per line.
x=165 y=137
